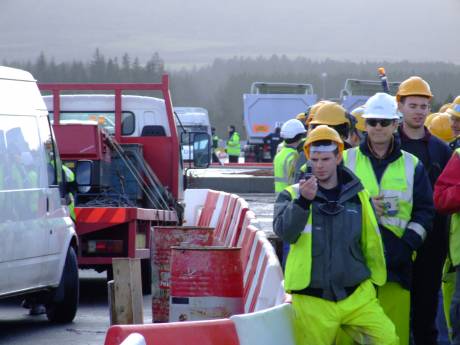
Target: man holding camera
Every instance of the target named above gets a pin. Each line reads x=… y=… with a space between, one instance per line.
x=336 y=254
x=402 y=197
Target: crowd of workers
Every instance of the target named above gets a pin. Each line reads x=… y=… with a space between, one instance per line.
x=369 y=213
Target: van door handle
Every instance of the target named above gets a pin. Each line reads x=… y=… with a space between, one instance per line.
x=47 y=204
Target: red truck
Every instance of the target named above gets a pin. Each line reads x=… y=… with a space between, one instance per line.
x=125 y=153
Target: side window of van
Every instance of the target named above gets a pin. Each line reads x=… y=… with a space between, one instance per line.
x=49 y=147
x=19 y=144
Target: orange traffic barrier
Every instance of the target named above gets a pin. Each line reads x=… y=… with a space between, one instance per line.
x=237 y=223
x=164 y=237
x=210 y=332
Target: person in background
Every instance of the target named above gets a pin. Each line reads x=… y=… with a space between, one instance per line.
x=336 y=253
x=454 y=113
x=273 y=140
x=447 y=201
x=215 y=145
x=233 y=145
x=402 y=197
x=413 y=97
x=359 y=128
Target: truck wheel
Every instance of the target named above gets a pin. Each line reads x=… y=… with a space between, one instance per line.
x=63 y=304
x=146 y=273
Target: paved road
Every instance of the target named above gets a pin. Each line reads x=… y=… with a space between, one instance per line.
x=92 y=321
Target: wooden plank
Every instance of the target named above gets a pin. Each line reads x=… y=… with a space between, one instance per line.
x=128 y=300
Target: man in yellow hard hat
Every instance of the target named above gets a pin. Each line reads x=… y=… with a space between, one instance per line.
x=413 y=97
x=402 y=197
x=454 y=113
x=336 y=253
x=334 y=116
x=440 y=127
x=359 y=129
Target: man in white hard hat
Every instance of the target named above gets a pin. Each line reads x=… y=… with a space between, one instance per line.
x=402 y=198
x=284 y=163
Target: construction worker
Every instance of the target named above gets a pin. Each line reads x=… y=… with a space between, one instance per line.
x=440 y=127
x=233 y=145
x=402 y=198
x=447 y=201
x=454 y=113
x=273 y=140
x=334 y=116
x=336 y=253
x=215 y=145
x=413 y=97
x=285 y=161
x=358 y=133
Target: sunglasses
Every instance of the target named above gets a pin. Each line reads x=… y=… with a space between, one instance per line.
x=383 y=122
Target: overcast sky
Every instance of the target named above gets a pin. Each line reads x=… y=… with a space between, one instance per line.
x=188 y=32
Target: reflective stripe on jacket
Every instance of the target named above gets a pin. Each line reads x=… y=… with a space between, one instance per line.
x=397 y=183
x=283 y=166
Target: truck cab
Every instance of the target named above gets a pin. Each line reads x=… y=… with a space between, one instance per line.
x=191 y=120
x=39 y=243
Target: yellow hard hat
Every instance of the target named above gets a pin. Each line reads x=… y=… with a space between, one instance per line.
x=430 y=118
x=444 y=107
x=440 y=127
x=414 y=86
x=454 y=109
x=302 y=117
x=314 y=109
x=322 y=132
x=357 y=113
x=331 y=114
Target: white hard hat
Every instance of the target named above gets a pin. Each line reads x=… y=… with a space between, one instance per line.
x=381 y=106
x=292 y=128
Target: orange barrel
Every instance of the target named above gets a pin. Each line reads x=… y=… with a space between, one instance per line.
x=163 y=238
x=206 y=283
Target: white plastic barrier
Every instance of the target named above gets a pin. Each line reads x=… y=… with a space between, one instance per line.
x=134 y=339
x=268 y=327
x=194 y=200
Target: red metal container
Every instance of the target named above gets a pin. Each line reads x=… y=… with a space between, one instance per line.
x=165 y=237
x=206 y=283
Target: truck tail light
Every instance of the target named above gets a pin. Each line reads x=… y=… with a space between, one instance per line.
x=105 y=246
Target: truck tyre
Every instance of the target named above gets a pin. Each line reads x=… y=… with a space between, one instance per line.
x=63 y=303
x=146 y=273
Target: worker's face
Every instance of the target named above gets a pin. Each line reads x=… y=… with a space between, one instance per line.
x=415 y=110
x=455 y=124
x=380 y=131
x=324 y=165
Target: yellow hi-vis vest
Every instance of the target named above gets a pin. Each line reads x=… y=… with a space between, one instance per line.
x=397 y=183
x=284 y=167
x=454 y=235
x=297 y=274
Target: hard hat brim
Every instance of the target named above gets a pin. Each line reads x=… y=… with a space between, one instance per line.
x=380 y=116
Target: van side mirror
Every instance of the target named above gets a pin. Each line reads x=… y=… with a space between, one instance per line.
x=83 y=174
x=201 y=150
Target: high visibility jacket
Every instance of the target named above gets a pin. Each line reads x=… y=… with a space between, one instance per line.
x=70 y=177
x=233 y=145
x=215 y=141
x=284 y=167
x=298 y=273
x=397 y=185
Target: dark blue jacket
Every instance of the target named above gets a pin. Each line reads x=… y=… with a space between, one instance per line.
x=398 y=251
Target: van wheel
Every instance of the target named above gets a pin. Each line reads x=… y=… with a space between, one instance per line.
x=64 y=301
x=146 y=275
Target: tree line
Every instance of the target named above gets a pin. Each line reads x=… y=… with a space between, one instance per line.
x=219 y=86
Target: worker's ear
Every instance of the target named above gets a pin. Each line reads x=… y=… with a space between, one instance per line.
x=339 y=158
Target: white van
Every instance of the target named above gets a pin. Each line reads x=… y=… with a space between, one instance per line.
x=38 y=241
x=191 y=120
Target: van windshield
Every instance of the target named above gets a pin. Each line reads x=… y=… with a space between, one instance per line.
x=105 y=119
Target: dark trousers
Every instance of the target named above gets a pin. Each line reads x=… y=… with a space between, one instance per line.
x=233 y=159
x=455 y=310
x=426 y=282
